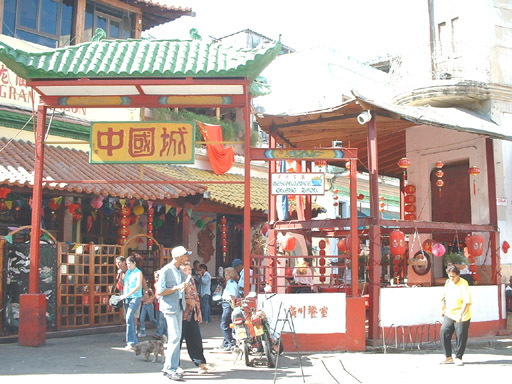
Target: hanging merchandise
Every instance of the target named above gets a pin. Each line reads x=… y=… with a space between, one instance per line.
x=397 y=243
x=342 y=246
x=474 y=171
x=505 y=246
x=439 y=175
x=475 y=244
x=224 y=238
x=151 y=212
x=288 y=243
x=410 y=201
x=124 y=222
x=322 y=244
x=427 y=245
x=438 y=250
x=138 y=210
x=404 y=163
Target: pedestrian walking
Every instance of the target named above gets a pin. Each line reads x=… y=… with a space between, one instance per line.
x=161 y=328
x=148 y=309
x=229 y=297
x=457 y=315
x=132 y=295
x=171 y=290
x=205 y=289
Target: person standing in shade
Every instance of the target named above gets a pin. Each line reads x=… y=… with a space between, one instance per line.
x=205 y=292
x=239 y=268
x=161 y=328
x=457 y=315
x=229 y=297
x=148 y=308
x=132 y=296
x=171 y=289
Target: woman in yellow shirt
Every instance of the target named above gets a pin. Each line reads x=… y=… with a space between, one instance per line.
x=457 y=315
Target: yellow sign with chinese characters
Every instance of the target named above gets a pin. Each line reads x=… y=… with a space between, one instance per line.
x=142 y=142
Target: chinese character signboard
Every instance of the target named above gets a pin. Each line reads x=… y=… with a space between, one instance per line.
x=310 y=312
x=142 y=142
x=298 y=183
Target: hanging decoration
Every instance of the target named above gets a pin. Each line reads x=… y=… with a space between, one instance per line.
x=382 y=204
x=475 y=244
x=397 y=243
x=322 y=244
x=124 y=222
x=342 y=245
x=474 y=171
x=288 y=243
x=3 y=195
x=151 y=212
x=410 y=202
x=438 y=250
x=404 y=163
x=75 y=210
x=224 y=237
x=427 y=245
x=505 y=246
x=54 y=204
x=138 y=210
x=97 y=202
x=439 y=175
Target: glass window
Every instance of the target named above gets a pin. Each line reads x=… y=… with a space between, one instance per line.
x=28 y=13
x=114 y=30
x=49 y=12
x=101 y=22
x=89 y=21
x=37 y=39
x=9 y=17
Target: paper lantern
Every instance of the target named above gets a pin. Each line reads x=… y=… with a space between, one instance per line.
x=97 y=202
x=125 y=211
x=410 y=208
x=223 y=220
x=438 y=249
x=138 y=210
x=360 y=196
x=54 y=204
x=342 y=246
x=476 y=277
x=158 y=222
x=439 y=184
x=349 y=244
x=397 y=242
x=439 y=164
x=473 y=268
x=475 y=245
x=4 y=192
x=474 y=171
x=124 y=221
x=264 y=229
x=505 y=246
x=439 y=173
x=410 y=216
x=410 y=199
x=427 y=245
x=321 y=244
x=123 y=231
x=288 y=243
x=404 y=163
x=410 y=189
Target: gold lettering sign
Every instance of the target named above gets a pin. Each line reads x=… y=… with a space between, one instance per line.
x=142 y=142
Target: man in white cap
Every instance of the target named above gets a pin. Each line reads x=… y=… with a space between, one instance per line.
x=171 y=289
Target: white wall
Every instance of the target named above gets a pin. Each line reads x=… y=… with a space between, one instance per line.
x=422 y=305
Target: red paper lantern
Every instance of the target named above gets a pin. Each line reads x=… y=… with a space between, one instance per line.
x=410 y=189
x=264 y=229
x=427 y=245
x=397 y=242
x=124 y=221
x=396 y=268
x=404 y=163
x=123 y=232
x=349 y=244
x=342 y=246
x=476 y=277
x=410 y=208
x=410 y=199
x=410 y=216
x=475 y=245
x=473 y=268
x=224 y=242
x=53 y=204
x=471 y=259
x=439 y=164
x=439 y=173
x=360 y=196
x=321 y=262
x=224 y=235
x=150 y=227
x=224 y=249
x=474 y=170
x=288 y=243
x=440 y=183
x=223 y=220
x=505 y=246
x=322 y=270
x=321 y=244
x=321 y=252
x=125 y=211
x=121 y=240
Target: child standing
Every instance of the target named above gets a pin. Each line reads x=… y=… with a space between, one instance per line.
x=148 y=308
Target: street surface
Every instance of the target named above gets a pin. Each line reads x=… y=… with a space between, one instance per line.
x=101 y=358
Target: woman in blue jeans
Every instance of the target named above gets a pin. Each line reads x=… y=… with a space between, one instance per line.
x=229 y=297
x=132 y=295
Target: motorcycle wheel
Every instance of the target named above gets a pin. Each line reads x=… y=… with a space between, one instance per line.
x=270 y=352
x=245 y=350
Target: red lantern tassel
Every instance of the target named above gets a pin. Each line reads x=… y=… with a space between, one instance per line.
x=474 y=187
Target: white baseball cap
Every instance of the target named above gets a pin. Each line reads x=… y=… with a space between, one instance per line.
x=180 y=251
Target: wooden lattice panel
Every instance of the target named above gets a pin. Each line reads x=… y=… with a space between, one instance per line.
x=87 y=276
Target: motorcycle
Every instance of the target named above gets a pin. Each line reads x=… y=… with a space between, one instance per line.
x=253 y=333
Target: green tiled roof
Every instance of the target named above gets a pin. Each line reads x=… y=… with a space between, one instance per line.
x=140 y=58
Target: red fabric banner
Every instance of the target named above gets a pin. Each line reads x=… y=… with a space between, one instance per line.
x=221 y=158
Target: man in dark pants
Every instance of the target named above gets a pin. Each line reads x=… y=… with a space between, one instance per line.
x=457 y=315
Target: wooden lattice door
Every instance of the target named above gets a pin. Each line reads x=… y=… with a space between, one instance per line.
x=87 y=274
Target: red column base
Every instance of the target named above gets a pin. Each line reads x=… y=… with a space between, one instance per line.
x=32 y=322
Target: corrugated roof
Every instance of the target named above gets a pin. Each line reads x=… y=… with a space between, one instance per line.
x=231 y=195
x=17 y=169
x=139 y=58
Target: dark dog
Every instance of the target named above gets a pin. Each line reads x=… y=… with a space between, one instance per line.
x=155 y=347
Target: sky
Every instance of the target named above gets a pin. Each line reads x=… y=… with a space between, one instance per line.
x=364 y=29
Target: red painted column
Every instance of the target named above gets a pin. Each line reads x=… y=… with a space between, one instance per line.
x=270 y=273
x=32 y=322
x=247 y=190
x=374 y=232
x=354 y=233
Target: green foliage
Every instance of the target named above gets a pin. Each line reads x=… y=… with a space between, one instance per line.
x=454 y=258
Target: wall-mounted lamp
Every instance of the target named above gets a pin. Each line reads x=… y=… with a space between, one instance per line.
x=364 y=117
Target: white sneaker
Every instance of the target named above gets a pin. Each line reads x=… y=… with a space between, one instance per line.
x=458 y=362
x=141 y=334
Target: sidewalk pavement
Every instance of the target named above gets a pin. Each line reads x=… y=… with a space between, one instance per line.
x=101 y=357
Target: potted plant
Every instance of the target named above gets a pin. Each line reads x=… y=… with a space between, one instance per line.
x=455 y=258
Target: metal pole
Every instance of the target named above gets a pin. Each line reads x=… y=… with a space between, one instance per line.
x=247 y=197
